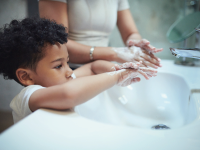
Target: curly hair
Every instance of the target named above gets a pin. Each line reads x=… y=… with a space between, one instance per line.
x=22 y=43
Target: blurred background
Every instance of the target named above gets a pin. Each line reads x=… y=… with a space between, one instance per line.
x=152 y=17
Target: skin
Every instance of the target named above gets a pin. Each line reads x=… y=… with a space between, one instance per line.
x=64 y=92
x=79 y=53
x=54 y=66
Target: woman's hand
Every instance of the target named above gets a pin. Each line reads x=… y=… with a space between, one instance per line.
x=136 y=54
x=129 y=72
x=143 y=44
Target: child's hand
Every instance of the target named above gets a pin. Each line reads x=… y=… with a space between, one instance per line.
x=129 y=72
x=127 y=77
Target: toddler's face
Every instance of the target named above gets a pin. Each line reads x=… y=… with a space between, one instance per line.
x=53 y=69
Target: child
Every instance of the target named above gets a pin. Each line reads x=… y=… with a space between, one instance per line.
x=33 y=52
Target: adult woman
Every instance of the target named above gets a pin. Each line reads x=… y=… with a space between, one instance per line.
x=89 y=24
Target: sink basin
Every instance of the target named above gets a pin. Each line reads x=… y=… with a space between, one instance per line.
x=161 y=100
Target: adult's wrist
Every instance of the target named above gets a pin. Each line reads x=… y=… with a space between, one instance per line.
x=132 y=37
x=113 y=56
x=104 y=53
x=116 y=55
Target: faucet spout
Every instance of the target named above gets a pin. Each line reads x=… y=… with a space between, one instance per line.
x=186 y=52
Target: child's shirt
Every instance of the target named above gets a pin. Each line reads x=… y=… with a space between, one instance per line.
x=20 y=103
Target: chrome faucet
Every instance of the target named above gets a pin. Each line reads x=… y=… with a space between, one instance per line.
x=198 y=30
x=186 y=52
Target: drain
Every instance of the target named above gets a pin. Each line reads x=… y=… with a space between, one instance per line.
x=160 y=127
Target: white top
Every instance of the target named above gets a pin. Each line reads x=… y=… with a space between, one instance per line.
x=92 y=21
x=20 y=103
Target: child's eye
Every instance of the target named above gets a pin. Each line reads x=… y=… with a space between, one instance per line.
x=57 y=67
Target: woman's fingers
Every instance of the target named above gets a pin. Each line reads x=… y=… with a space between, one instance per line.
x=148 y=63
x=142 y=65
x=158 y=50
x=151 y=58
x=139 y=53
x=145 y=44
x=149 y=48
x=138 y=43
x=154 y=57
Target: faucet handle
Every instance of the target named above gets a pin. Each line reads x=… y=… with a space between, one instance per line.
x=198 y=30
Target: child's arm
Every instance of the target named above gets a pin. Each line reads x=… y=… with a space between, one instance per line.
x=79 y=90
x=96 y=67
x=102 y=66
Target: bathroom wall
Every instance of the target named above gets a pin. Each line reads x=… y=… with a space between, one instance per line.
x=153 y=19
x=10 y=9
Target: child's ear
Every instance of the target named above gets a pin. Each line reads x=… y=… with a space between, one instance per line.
x=25 y=76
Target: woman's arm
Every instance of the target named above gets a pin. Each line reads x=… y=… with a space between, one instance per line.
x=130 y=34
x=79 y=53
x=126 y=26
x=131 y=37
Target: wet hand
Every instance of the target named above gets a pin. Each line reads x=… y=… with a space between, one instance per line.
x=136 y=54
x=144 y=44
x=129 y=72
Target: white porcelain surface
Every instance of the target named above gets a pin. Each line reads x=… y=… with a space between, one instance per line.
x=49 y=129
x=160 y=100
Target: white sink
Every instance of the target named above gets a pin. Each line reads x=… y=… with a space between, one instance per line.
x=161 y=100
x=120 y=118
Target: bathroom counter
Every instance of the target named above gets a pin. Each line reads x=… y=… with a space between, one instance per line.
x=52 y=130
x=49 y=129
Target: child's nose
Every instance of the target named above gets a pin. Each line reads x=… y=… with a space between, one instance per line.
x=68 y=72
